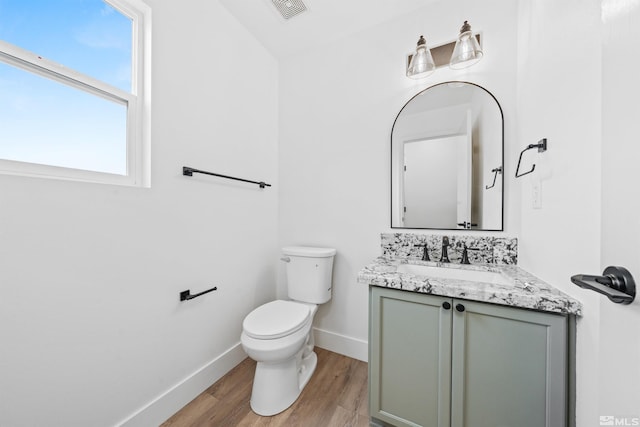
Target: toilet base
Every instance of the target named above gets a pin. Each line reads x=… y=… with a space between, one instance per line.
x=307 y=367
x=276 y=386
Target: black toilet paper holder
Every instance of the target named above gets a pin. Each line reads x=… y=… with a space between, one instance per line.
x=541 y=146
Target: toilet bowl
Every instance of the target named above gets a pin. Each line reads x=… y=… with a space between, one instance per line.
x=278 y=335
x=283 y=352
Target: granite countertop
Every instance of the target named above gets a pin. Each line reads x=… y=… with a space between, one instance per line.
x=527 y=291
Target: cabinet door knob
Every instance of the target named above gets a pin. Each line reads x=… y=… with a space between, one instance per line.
x=460 y=307
x=446 y=305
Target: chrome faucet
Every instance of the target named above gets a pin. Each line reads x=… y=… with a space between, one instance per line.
x=445 y=244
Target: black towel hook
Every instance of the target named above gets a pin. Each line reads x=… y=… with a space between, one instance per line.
x=495 y=172
x=541 y=146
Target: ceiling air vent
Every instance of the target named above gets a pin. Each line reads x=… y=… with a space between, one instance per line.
x=289 y=8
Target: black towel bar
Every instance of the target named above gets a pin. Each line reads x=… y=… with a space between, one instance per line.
x=186 y=295
x=187 y=171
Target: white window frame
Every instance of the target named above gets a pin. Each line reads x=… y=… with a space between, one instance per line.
x=137 y=102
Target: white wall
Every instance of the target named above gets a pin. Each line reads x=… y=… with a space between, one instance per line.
x=91 y=329
x=337 y=106
x=489 y=156
x=619 y=382
x=559 y=97
x=585 y=103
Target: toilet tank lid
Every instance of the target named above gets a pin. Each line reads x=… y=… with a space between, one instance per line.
x=308 y=251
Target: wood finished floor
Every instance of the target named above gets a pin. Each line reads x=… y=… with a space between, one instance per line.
x=336 y=396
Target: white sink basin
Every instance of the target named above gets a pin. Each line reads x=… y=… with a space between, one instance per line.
x=455 y=274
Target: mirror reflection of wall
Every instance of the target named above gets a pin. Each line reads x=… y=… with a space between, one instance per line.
x=444 y=144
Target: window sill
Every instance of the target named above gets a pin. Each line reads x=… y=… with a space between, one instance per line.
x=10 y=167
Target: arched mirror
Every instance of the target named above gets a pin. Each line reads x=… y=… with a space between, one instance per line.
x=447 y=160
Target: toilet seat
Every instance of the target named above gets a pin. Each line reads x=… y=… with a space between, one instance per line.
x=276 y=319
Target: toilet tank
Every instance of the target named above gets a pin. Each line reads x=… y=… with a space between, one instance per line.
x=309 y=273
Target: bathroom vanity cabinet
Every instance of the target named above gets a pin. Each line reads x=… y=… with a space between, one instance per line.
x=441 y=361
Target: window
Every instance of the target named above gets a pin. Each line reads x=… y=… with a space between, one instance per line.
x=74 y=90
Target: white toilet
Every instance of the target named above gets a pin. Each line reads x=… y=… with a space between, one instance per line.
x=278 y=334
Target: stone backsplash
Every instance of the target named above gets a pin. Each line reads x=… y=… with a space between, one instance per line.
x=481 y=249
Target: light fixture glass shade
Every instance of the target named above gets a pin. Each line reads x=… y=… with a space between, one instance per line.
x=467 y=50
x=421 y=64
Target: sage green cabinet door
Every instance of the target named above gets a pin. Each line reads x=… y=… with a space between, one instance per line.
x=508 y=367
x=409 y=358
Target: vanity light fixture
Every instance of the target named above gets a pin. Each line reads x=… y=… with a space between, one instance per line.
x=467 y=50
x=462 y=53
x=421 y=63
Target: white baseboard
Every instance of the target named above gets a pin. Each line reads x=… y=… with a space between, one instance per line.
x=171 y=401
x=348 y=346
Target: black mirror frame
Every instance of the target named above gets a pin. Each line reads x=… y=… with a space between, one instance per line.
x=391 y=162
